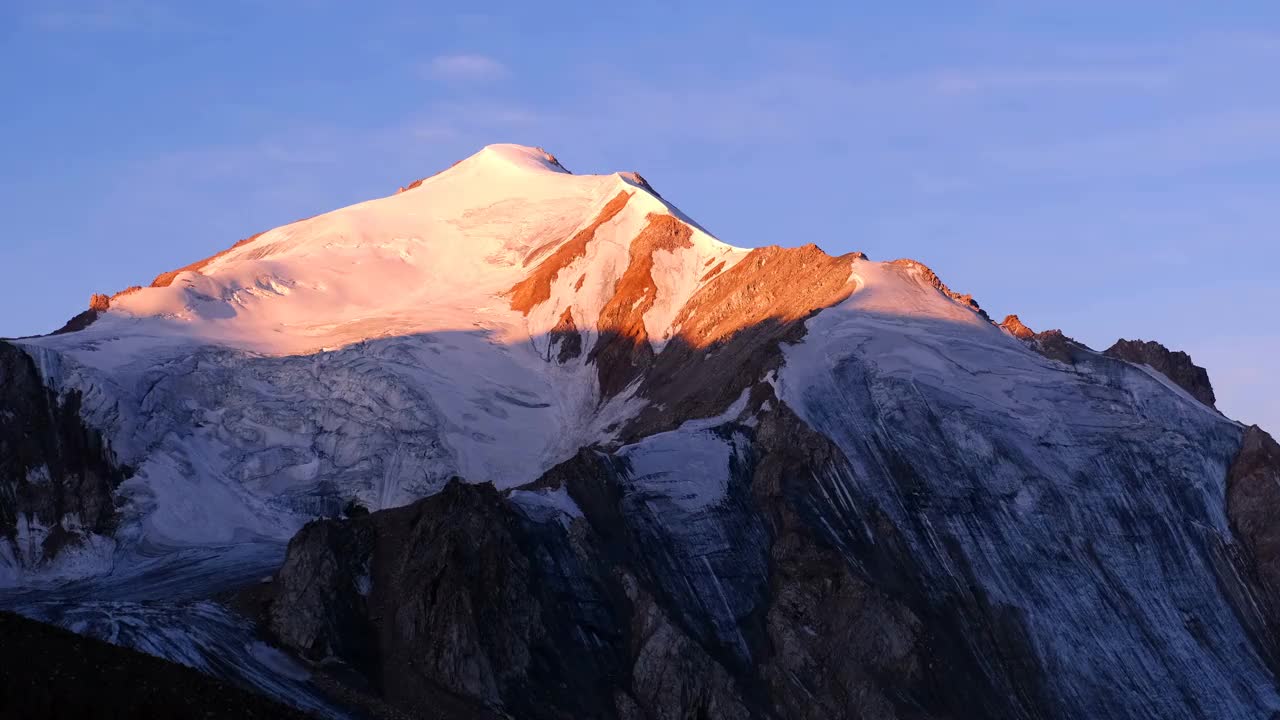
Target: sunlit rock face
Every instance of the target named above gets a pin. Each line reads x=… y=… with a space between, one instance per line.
x=618 y=468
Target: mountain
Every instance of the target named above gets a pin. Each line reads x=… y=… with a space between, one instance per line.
x=520 y=442
x=47 y=672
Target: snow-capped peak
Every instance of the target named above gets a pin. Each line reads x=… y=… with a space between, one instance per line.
x=509 y=157
x=505 y=300
x=442 y=256
x=757 y=421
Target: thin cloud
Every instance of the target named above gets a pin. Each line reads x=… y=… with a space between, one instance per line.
x=468 y=67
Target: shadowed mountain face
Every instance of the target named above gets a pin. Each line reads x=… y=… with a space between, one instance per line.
x=57 y=476
x=868 y=572
x=620 y=469
x=47 y=672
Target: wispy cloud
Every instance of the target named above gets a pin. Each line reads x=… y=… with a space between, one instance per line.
x=466 y=67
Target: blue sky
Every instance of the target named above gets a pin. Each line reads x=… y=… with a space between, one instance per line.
x=1111 y=169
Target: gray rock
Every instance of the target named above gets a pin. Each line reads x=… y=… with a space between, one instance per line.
x=1175 y=365
x=57 y=476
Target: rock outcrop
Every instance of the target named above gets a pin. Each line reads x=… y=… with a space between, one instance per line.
x=733 y=329
x=57 y=476
x=1052 y=344
x=78 y=322
x=623 y=348
x=1175 y=365
x=536 y=287
x=563 y=600
x=1013 y=325
x=932 y=278
x=448 y=601
x=1252 y=501
x=98 y=304
x=1253 y=496
x=165 y=279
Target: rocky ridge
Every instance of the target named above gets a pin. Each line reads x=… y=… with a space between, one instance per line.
x=1175 y=365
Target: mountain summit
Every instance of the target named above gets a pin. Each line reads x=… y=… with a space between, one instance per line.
x=540 y=446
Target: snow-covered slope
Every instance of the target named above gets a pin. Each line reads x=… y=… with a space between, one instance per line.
x=821 y=486
x=1084 y=505
x=436 y=258
x=370 y=353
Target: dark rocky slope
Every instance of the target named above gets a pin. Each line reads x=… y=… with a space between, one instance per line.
x=57 y=476
x=546 y=614
x=470 y=594
x=48 y=672
x=1253 y=499
x=865 y=576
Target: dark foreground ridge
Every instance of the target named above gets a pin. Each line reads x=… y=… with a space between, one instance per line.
x=48 y=672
